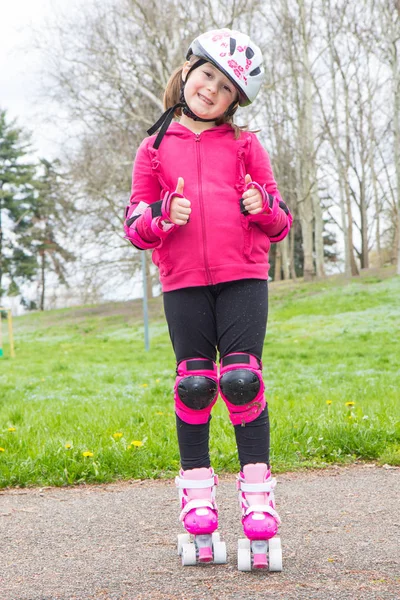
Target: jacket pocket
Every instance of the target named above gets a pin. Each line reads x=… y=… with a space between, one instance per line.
x=161 y=259
x=247 y=239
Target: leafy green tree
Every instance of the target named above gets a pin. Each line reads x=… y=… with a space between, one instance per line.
x=50 y=214
x=33 y=213
x=17 y=194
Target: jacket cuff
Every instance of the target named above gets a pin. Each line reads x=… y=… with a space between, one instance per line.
x=159 y=225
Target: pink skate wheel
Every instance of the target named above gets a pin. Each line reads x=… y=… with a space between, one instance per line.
x=205 y=555
x=260 y=561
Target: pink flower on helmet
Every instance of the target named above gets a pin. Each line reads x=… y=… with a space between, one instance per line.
x=220 y=36
x=223 y=54
x=237 y=73
x=224 y=45
x=241 y=48
x=232 y=63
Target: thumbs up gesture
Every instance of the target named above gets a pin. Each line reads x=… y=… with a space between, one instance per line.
x=179 y=210
x=252 y=198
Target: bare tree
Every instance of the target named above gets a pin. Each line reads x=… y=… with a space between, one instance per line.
x=108 y=70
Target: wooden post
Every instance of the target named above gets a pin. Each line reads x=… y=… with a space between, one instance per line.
x=10 y=334
x=1 y=337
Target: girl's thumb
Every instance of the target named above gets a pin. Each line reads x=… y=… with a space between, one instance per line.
x=247 y=179
x=179 y=186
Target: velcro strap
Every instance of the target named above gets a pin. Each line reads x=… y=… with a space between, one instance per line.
x=196 y=503
x=194 y=484
x=267 y=486
x=263 y=508
x=234 y=359
x=197 y=364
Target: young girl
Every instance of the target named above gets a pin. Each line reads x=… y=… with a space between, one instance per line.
x=204 y=199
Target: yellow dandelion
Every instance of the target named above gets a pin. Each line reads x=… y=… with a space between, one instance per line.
x=43 y=379
x=68 y=446
x=87 y=453
x=2 y=449
x=157 y=381
x=329 y=402
x=137 y=443
x=159 y=413
x=12 y=429
x=117 y=435
x=350 y=404
x=144 y=385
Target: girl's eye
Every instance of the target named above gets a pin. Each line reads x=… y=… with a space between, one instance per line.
x=207 y=73
x=227 y=88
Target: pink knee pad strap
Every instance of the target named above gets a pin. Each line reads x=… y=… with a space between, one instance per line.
x=196 y=390
x=247 y=383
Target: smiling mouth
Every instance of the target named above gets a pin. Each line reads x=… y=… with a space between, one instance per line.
x=206 y=100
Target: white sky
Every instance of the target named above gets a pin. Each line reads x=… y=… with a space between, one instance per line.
x=19 y=67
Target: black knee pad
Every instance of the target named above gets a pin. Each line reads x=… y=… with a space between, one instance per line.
x=197 y=391
x=240 y=386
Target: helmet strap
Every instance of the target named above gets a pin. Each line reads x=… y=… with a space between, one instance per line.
x=166 y=118
x=186 y=110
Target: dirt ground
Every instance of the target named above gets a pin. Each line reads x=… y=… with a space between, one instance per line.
x=340 y=536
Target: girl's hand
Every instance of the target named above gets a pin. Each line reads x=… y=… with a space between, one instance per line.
x=252 y=199
x=179 y=210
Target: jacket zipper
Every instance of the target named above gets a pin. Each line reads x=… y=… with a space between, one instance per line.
x=206 y=265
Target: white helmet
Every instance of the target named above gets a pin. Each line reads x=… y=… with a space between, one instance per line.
x=236 y=56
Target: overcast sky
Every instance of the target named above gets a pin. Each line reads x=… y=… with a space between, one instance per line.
x=19 y=66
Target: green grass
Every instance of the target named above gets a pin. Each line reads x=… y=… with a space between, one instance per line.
x=331 y=366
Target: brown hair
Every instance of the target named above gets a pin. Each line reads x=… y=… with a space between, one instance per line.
x=172 y=96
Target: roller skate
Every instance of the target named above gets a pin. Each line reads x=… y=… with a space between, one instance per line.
x=201 y=543
x=262 y=548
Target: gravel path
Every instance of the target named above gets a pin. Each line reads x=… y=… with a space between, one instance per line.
x=340 y=537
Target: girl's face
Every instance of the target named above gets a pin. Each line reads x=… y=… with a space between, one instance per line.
x=208 y=92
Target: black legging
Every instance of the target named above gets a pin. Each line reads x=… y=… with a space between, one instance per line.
x=228 y=317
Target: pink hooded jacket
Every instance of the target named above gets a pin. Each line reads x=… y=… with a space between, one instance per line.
x=219 y=243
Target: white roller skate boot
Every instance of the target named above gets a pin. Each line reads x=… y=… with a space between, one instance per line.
x=199 y=517
x=262 y=548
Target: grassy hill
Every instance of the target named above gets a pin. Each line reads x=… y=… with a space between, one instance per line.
x=83 y=402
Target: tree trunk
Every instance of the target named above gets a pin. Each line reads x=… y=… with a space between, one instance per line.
x=291 y=252
x=396 y=126
x=335 y=139
x=377 y=207
x=353 y=264
x=278 y=264
x=285 y=258
x=311 y=214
